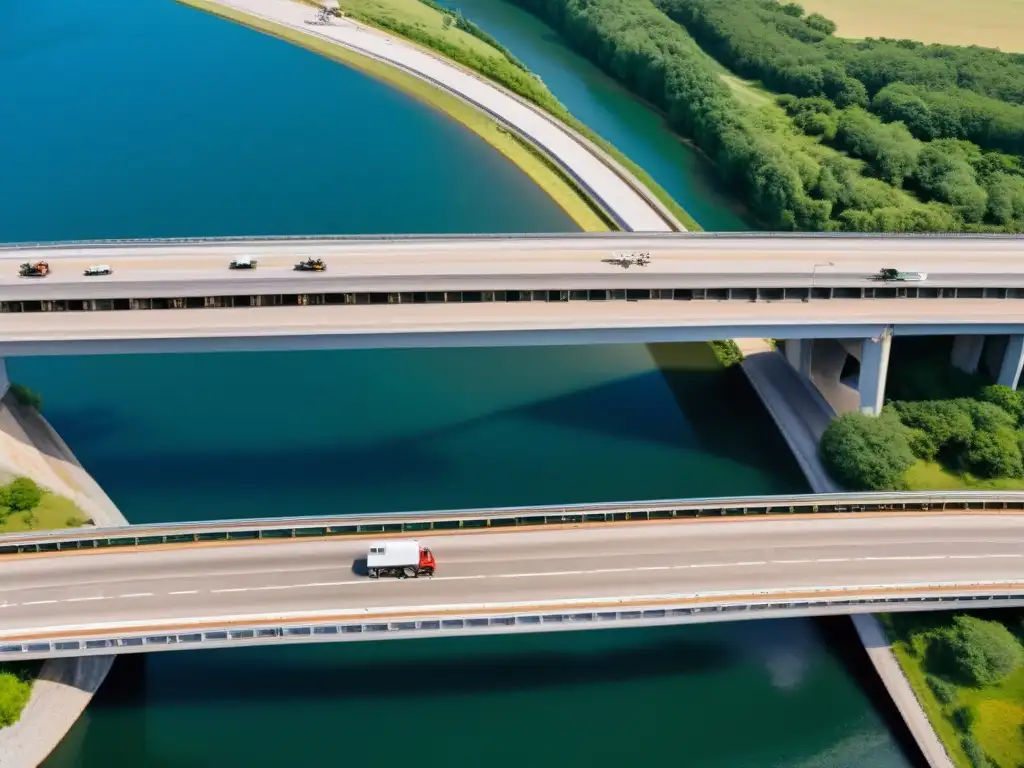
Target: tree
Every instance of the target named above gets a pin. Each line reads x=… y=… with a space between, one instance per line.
x=976 y=652
x=865 y=452
x=995 y=453
x=22 y=495
x=1010 y=400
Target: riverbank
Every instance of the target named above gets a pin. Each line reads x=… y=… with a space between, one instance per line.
x=30 y=447
x=544 y=147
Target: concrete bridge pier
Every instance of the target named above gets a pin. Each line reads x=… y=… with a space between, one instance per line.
x=874 y=368
x=5 y=383
x=967 y=349
x=798 y=353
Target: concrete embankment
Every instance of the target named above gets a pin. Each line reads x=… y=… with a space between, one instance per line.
x=802 y=414
x=30 y=447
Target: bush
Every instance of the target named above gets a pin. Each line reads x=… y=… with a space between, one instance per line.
x=865 y=452
x=945 y=423
x=15 y=689
x=964 y=717
x=1010 y=400
x=727 y=352
x=26 y=396
x=995 y=454
x=21 y=495
x=945 y=692
x=976 y=652
x=975 y=754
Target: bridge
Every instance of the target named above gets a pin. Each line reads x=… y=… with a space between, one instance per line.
x=525 y=290
x=206 y=585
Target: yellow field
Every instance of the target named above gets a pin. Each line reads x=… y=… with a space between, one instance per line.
x=989 y=23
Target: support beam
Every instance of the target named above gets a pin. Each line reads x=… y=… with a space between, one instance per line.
x=1013 y=362
x=967 y=351
x=798 y=353
x=874 y=368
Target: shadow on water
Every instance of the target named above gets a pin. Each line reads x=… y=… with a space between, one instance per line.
x=841 y=636
x=290 y=675
x=723 y=424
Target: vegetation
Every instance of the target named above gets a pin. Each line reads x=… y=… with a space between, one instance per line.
x=24 y=506
x=979 y=436
x=727 y=352
x=990 y=23
x=968 y=674
x=26 y=396
x=15 y=688
x=804 y=172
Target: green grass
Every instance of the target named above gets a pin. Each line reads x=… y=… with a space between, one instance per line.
x=932 y=476
x=1000 y=708
x=53 y=512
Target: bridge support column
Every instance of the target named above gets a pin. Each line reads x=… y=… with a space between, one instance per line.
x=967 y=351
x=874 y=368
x=5 y=383
x=1013 y=362
x=798 y=353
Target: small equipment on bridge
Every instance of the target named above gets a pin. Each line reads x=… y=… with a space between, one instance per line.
x=311 y=265
x=98 y=269
x=404 y=558
x=627 y=260
x=243 y=263
x=890 y=275
x=39 y=269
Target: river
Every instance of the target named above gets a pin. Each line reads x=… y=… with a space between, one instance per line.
x=135 y=118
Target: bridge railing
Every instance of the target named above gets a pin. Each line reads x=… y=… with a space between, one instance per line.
x=241 y=239
x=239 y=634
x=389 y=523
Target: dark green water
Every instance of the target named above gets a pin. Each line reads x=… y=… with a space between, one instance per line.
x=143 y=118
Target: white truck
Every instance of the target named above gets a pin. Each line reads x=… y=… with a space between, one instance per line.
x=404 y=558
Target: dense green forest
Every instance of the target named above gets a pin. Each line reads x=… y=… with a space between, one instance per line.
x=877 y=135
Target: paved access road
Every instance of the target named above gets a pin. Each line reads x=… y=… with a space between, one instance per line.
x=65 y=593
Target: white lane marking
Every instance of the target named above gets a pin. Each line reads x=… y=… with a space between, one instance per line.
x=745 y=563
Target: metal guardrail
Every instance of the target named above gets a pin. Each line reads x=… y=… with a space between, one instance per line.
x=226 y=240
x=506 y=517
x=534 y=621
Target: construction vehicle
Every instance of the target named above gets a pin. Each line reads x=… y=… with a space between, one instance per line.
x=243 y=263
x=890 y=275
x=402 y=558
x=39 y=269
x=98 y=269
x=311 y=265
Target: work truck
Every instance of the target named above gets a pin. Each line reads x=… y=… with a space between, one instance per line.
x=402 y=558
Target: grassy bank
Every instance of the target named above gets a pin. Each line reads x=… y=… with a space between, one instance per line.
x=52 y=512
x=979 y=725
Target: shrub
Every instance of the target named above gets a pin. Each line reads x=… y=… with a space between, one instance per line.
x=727 y=352
x=943 y=421
x=945 y=692
x=1010 y=400
x=22 y=495
x=26 y=396
x=987 y=416
x=976 y=652
x=975 y=754
x=964 y=717
x=996 y=453
x=865 y=452
x=15 y=689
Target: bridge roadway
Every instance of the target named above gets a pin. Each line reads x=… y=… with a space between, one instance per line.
x=179 y=588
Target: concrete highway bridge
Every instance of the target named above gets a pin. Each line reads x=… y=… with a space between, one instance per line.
x=230 y=583
x=526 y=290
